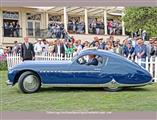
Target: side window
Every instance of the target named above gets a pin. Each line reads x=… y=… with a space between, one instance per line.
x=90 y=60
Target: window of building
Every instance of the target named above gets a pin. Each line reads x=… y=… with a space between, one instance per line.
x=31 y=16
x=54 y=18
x=11 y=26
x=33 y=24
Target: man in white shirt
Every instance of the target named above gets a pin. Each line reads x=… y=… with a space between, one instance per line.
x=45 y=47
x=38 y=47
x=79 y=46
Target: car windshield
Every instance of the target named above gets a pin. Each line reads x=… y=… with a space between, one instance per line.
x=74 y=58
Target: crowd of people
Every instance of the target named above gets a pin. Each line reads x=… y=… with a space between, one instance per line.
x=11 y=29
x=75 y=26
x=114 y=27
x=142 y=33
x=96 y=27
x=129 y=47
x=56 y=30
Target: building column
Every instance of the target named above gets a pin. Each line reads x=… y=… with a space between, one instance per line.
x=86 y=21
x=1 y=28
x=65 y=19
x=105 y=21
x=46 y=20
x=24 y=24
x=123 y=26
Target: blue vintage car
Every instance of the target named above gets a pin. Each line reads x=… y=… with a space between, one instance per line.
x=91 y=68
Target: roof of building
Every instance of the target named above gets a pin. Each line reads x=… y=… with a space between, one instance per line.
x=92 y=11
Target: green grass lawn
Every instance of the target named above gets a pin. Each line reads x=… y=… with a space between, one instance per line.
x=78 y=99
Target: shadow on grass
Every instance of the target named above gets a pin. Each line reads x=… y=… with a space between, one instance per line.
x=86 y=89
x=69 y=89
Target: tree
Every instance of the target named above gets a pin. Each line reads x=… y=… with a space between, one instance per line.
x=144 y=18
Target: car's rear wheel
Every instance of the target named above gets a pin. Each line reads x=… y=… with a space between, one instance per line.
x=29 y=82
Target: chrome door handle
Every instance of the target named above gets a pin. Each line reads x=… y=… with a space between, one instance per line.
x=97 y=69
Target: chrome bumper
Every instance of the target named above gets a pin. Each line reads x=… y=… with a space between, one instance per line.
x=9 y=83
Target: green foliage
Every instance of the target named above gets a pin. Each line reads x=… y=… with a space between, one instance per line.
x=3 y=65
x=145 y=18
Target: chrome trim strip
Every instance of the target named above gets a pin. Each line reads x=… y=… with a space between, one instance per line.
x=109 y=84
x=71 y=71
x=80 y=71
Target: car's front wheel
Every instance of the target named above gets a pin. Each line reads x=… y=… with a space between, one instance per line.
x=29 y=82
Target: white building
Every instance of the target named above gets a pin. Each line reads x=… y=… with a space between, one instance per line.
x=33 y=21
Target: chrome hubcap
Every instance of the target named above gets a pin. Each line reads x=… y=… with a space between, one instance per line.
x=30 y=83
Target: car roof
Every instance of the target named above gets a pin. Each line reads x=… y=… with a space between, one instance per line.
x=101 y=53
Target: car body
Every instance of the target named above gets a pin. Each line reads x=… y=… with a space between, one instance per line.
x=113 y=73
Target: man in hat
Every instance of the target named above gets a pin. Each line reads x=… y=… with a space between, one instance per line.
x=38 y=47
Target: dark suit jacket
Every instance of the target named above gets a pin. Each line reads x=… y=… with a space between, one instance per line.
x=92 y=44
x=93 y=62
x=27 y=54
x=62 y=50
